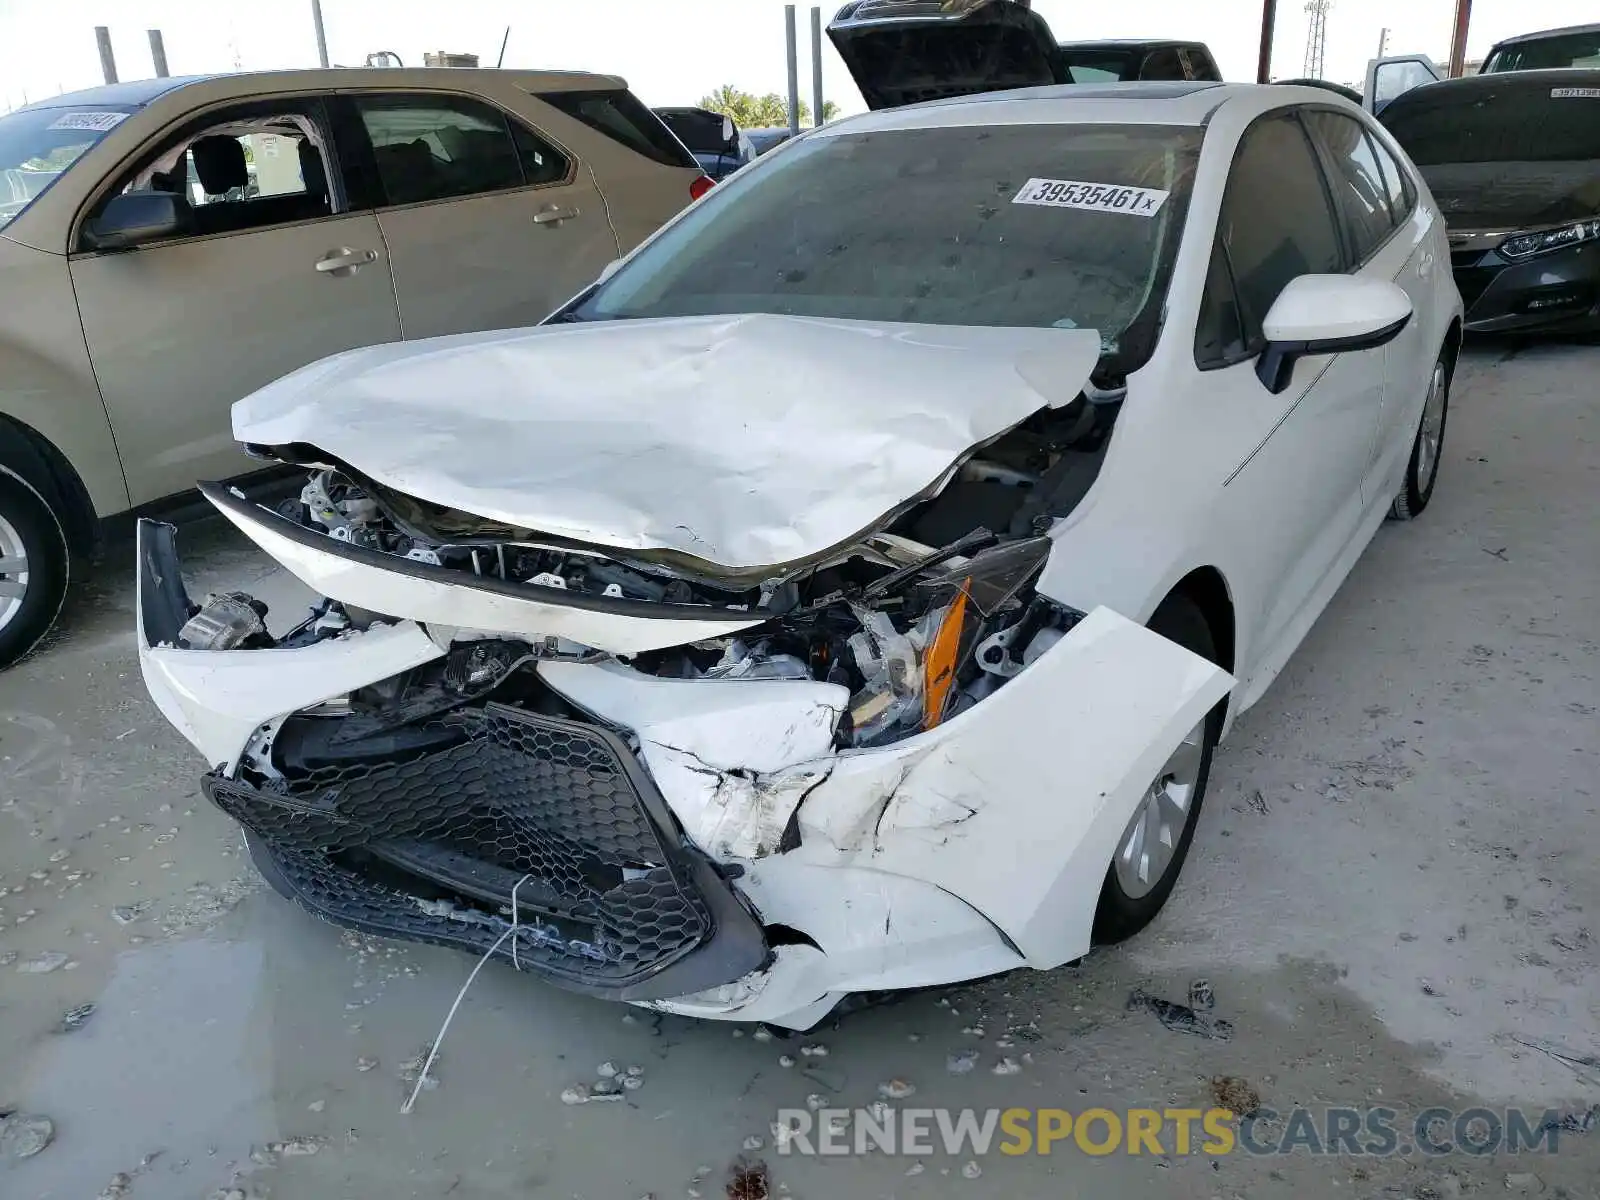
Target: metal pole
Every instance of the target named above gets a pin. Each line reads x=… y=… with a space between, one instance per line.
x=322 y=36
x=158 y=54
x=1458 y=43
x=108 y=60
x=816 y=66
x=794 y=70
x=1383 y=41
x=1269 y=19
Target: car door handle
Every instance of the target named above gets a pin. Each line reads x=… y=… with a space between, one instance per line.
x=345 y=259
x=554 y=215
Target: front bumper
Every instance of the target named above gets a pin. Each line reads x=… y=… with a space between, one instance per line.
x=695 y=845
x=495 y=815
x=1554 y=292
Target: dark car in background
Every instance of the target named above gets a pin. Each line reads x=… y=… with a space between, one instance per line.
x=1513 y=160
x=1575 y=46
x=768 y=137
x=906 y=51
x=712 y=137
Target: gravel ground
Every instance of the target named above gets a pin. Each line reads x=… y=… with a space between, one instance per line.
x=1394 y=896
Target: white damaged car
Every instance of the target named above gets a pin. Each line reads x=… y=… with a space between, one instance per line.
x=846 y=594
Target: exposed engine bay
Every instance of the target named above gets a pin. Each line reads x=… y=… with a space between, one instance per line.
x=918 y=620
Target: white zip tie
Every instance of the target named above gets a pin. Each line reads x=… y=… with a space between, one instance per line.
x=433 y=1050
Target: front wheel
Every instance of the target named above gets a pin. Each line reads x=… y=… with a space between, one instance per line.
x=33 y=568
x=1422 y=472
x=1151 y=851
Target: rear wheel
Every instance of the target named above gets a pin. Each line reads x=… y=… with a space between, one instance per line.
x=1422 y=472
x=1151 y=851
x=33 y=567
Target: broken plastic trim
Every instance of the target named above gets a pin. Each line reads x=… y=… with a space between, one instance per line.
x=230 y=502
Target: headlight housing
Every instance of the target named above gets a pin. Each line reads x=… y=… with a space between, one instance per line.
x=1527 y=245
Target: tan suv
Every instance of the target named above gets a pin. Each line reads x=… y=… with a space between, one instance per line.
x=170 y=245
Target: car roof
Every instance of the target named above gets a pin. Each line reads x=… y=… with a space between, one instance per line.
x=1546 y=33
x=137 y=93
x=1177 y=103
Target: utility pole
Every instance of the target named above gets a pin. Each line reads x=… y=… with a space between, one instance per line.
x=158 y=54
x=1269 y=20
x=108 y=60
x=816 y=66
x=1383 y=41
x=794 y=70
x=1458 y=43
x=322 y=36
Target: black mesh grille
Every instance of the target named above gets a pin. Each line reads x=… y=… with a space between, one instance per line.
x=430 y=848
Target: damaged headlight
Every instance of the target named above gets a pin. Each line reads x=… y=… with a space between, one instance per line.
x=920 y=671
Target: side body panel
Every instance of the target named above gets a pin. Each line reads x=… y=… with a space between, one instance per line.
x=180 y=330
x=46 y=380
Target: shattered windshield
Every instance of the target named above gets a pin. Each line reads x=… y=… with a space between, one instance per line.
x=1063 y=226
x=38 y=145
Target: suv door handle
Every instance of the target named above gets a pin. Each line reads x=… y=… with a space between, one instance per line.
x=345 y=260
x=554 y=215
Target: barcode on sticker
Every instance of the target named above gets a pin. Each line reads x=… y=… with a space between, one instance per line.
x=100 y=121
x=1097 y=197
x=1575 y=93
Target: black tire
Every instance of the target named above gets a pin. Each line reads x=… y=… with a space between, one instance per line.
x=1415 y=492
x=45 y=545
x=1120 y=915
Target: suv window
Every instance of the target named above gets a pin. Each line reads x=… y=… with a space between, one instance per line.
x=1163 y=65
x=430 y=147
x=1276 y=224
x=253 y=166
x=1200 y=64
x=623 y=118
x=1358 y=184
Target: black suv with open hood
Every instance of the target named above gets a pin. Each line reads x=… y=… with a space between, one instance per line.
x=1514 y=162
x=906 y=51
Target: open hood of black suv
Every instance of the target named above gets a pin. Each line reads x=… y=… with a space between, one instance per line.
x=905 y=51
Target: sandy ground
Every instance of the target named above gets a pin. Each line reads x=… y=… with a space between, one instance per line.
x=1395 y=894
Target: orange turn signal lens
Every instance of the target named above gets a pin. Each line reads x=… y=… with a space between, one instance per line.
x=939 y=663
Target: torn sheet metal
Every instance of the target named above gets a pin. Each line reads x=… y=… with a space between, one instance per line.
x=737 y=440
x=733 y=757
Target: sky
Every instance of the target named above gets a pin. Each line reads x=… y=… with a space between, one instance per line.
x=672 y=51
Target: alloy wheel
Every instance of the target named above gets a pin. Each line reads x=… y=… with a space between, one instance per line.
x=1151 y=839
x=13 y=572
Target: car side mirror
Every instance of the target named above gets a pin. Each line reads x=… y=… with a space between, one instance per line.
x=134 y=218
x=1328 y=314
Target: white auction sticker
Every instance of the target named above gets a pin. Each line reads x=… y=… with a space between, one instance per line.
x=1575 y=93
x=100 y=121
x=1097 y=197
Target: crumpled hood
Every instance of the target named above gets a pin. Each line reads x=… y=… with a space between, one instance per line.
x=739 y=441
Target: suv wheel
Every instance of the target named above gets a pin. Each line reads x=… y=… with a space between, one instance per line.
x=33 y=567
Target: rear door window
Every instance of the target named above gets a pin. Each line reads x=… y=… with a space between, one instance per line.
x=1276 y=221
x=430 y=147
x=620 y=116
x=1357 y=180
